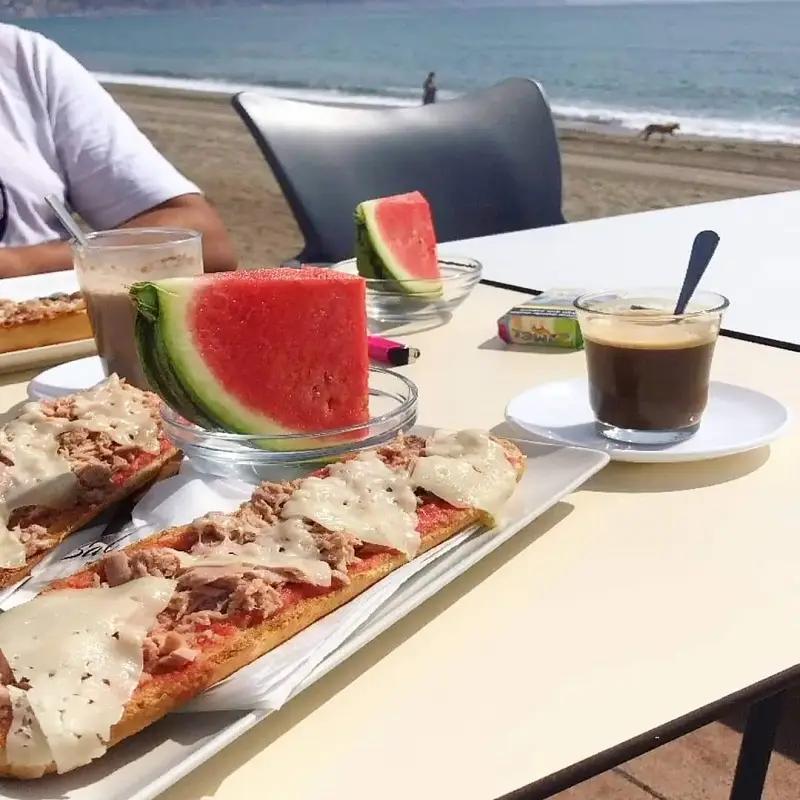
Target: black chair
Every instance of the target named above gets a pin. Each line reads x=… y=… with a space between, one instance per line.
x=488 y=162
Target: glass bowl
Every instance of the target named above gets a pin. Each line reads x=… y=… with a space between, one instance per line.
x=388 y=302
x=392 y=406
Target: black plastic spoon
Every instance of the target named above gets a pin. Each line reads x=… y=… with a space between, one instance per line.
x=703 y=247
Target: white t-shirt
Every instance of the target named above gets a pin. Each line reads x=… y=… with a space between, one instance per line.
x=62 y=133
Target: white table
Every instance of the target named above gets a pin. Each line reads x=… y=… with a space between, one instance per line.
x=639 y=609
x=757 y=263
x=629 y=614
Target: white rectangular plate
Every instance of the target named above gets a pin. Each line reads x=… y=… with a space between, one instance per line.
x=143 y=766
x=28 y=287
x=18 y=360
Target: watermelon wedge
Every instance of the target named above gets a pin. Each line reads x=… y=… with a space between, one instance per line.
x=270 y=351
x=396 y=242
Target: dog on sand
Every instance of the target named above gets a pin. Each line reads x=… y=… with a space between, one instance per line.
x=664 y=130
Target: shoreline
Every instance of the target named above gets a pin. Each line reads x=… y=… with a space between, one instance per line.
x=605 y=172
x=569 y=115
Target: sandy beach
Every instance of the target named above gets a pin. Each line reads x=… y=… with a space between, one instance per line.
x=604 y=173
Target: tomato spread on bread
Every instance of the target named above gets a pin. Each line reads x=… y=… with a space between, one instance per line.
x=64 y=460
x=158 y=622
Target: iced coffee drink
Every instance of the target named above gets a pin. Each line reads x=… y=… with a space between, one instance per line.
x=107 y=266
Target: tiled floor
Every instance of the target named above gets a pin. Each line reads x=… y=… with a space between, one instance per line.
x=700 y=766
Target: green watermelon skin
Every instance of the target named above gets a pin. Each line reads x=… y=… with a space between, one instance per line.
x=396 y=242
x=259 y=352
x=154 y=357
x=368 y=263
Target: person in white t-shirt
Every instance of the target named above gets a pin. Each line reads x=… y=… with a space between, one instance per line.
x=62 y=133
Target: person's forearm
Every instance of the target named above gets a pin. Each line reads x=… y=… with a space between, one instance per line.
x=187 y=211
x=47 y=257
x=192 y=211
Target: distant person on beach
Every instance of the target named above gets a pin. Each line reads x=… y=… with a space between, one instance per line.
x=62 y=133
x=429 y=89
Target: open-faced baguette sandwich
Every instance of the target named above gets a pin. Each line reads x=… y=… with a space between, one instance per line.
x=63 y=462
x=151 y=626
x=45 y=320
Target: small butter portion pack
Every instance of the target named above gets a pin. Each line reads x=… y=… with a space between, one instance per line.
x=547 y=320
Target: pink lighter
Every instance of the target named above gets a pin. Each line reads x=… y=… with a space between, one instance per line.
x=385 y=351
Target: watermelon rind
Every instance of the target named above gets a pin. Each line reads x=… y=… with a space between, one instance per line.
x=155 y=359
x=374 y=253
x=367 y=262
x=190 y=369
x=180 y=375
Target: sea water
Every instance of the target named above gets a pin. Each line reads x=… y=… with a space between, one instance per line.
x=718 y=68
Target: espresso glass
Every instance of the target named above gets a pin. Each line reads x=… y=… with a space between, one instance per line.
x=649 y=367
x=108 y=264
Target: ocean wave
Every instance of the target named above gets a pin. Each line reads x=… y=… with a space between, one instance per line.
x=579 y=114
x=717 y=127
x=367 y=97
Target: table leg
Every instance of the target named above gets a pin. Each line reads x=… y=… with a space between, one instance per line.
x=756 y=749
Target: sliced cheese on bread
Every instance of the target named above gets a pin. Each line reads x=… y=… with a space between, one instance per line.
x=79 y=652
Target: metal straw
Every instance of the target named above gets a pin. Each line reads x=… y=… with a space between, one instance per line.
x=66 y=219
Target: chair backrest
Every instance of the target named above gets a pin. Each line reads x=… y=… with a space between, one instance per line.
x=488 y=162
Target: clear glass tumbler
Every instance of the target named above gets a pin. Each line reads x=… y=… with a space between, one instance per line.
x=107 y=266
x=649 y=367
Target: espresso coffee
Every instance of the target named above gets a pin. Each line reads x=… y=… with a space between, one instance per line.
x=650 y=378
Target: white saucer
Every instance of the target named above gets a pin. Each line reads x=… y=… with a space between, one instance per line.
x=736 y=419
x=72 y=376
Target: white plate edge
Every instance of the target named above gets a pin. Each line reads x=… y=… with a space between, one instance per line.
x=658 y=456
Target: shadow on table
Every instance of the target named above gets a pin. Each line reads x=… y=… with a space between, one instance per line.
x=621 y=476
x=7 y=378
x=13 y=412
x=17 y=407
x=411 y=326
x=205 y=779
x=625 y=477
x=496 y=343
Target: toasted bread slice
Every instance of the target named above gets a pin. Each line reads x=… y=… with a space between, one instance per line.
x=71 y=326
x=160 y=695
x=73 y=519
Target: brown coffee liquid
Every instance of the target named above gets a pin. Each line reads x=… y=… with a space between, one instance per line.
x=112 y=315
x=658 y=388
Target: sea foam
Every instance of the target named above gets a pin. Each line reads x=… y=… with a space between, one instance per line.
x=570 y=114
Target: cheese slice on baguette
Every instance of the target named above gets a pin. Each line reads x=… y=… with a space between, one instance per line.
x=65 y=461
x=79 y=673
x=244 y=582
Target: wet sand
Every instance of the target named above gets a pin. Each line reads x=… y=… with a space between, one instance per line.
x=604 y=173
